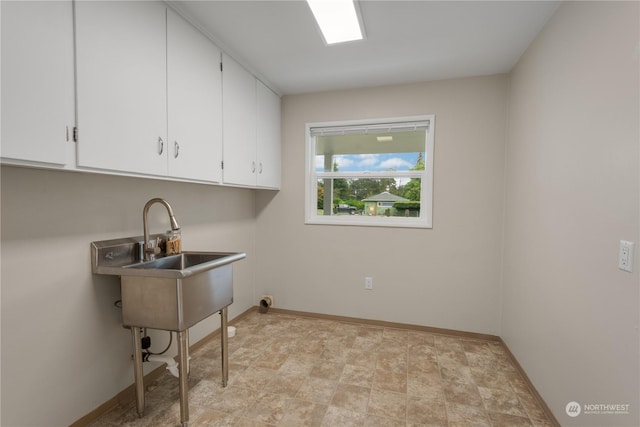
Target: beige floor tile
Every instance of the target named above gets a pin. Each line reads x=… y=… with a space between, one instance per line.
x=391 y=361
x=452 y=358
x=351 y=397
x=388 y=404
x=532 y=407
x=317 y=390
x=419 y=337
x=390 y=381
x=506 y=420
x=477 y=347
x=426 y=411
x=357 y=375
x=285 y=383
x=444 y=342
x=233 y=400
x=464 y=415
x=247 y=422
x=299 y=364
x=327 y=369
x=372 y=332
x=366 y=343
x=490 y=379
x=268 y=408
x=427 y=385
x=270 y=359
x=300 y=413
x=483 y=361
x=210 y=418
x=362 y=358
x=378 y=421
x=504 y=402
x=336 y=416
x=462 y=393
x=294 y=371
x=253 y=377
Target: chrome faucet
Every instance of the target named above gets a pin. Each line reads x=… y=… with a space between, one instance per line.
x=149 y=251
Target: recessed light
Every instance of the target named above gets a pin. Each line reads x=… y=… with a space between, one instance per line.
x=337 y=19
x=387 y=138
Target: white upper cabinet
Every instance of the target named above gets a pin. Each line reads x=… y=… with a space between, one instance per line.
x=239 y=124
x=194 y=102
x=121 y=84
x=268 y=138
x=150 y=97
x=251 y=129
x=37 y=82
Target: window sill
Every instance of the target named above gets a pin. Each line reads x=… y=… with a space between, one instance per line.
x=369 y=221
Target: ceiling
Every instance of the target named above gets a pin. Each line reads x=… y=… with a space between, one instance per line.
x=405 y=41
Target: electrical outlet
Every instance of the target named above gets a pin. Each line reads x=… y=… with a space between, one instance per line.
x=368 y=283
x=625 y=256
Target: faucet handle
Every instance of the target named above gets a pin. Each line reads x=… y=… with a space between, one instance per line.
x=151 y=250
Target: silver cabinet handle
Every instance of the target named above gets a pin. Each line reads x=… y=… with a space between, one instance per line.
x=176 y=149
x=253 y=167
x=260 y=167
x=160 y=145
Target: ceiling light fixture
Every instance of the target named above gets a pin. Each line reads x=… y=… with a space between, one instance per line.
x=387 y=138
x=337 y=19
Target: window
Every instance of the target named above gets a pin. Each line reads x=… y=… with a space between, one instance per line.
x=374 y=172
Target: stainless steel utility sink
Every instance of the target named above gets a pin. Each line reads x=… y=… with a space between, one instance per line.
x=177 y=291
x=173 y=292
x=173 y=298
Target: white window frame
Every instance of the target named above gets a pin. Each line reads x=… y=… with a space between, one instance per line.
x=426 y=188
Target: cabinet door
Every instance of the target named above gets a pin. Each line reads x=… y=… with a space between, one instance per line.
x=121 y=84
x=37 y=81
x=238 y=124
x=194 y=102
x=268 y=137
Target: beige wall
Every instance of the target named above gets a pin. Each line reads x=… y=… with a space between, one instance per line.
x=444 y=277
x=572 y=192
x=64 y=351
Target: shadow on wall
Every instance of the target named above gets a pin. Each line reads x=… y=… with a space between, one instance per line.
x=44 y=203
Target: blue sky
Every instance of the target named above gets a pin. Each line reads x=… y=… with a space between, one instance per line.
x=371 y=162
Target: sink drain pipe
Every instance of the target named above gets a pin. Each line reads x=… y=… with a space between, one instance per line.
x=265 y=303
x=172 y=365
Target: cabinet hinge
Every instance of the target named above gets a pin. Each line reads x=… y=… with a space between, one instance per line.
x=75 y=134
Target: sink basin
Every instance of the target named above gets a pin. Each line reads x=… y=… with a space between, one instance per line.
x=181 y=265
x=159 y=301
x=181 y=261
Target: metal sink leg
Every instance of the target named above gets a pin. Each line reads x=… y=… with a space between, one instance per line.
x=137 y=369
x=183 y=354
x=224 y=346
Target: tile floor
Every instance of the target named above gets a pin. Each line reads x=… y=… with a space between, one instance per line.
x=295 y=371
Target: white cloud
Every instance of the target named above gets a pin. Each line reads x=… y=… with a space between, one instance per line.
x=395 y=163
x=343 y=162
x=367 y=160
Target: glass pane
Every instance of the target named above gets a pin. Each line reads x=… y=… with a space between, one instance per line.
x=397 y=151
x=390 y=197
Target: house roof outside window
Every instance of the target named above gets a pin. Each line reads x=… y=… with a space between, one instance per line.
x=385 y=196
